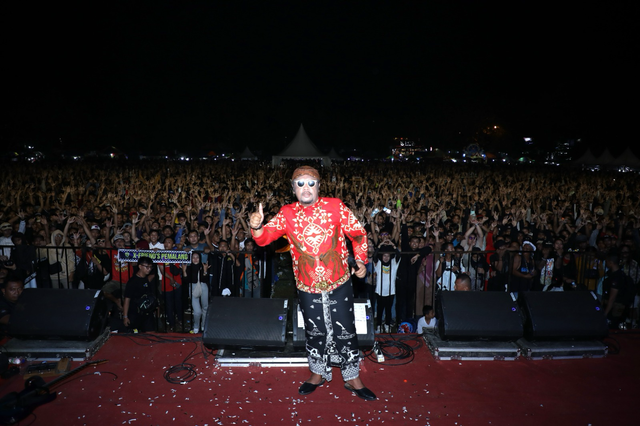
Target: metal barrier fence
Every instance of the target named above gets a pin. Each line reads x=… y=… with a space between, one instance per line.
x=265 y=275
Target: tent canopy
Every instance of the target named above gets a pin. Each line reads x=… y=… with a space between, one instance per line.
x=627 y=158
x=301 y=147
x=247 y=154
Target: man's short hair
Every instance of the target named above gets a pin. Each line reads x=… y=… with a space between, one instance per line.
x=613 y=257
x=426 y=309
x=12 y=277
x=145 y=260
x=465 y=280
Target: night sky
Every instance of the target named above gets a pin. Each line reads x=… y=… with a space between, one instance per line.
x=201 y=75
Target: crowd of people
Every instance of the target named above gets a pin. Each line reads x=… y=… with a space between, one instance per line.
x=430 y=228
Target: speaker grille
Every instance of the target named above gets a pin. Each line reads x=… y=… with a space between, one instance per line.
x=45 y=313
x=564 y=315
x=479 y=315
x=246 y=323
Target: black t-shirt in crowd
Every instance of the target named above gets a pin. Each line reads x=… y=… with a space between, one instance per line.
x=137 y=287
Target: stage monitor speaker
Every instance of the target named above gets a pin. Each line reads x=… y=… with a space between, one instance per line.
x=563 y=315
x=235 y=322
x=46 y=313
x=363 y=313
x=479 y=315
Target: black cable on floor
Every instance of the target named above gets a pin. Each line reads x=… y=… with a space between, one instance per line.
x=185 y=372
x=180 y=374
x=396 y=349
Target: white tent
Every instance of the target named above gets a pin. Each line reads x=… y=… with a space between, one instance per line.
x=301 y=148
x=587 y=158
x=627 y=158
x=605 y=158
x=334 y=155
x=247 y=154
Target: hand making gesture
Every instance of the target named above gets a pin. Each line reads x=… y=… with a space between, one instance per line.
x=256 y=219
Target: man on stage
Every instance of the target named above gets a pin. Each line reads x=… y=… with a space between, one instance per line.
x=316 y=228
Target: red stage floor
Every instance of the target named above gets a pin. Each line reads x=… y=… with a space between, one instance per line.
x=130 y=389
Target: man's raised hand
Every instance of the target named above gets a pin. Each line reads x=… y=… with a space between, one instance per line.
x=255 y=222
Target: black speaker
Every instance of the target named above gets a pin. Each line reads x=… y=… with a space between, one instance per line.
x=364 y=324
x=246 y=323
x=46 y=313
x=484 y=315
x=563 y=315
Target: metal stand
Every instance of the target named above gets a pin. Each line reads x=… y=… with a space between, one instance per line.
x=53 y=350
x=240 y=358
x=444 y=350
x=563 y=349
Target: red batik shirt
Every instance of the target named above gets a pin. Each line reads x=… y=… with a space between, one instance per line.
x=317 y=238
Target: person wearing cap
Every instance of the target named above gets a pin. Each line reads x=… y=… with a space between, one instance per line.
x=5 y=239
x=140 y=287
x=95 y=231
x=524 y=268
x=317 y=229
x=385 y=271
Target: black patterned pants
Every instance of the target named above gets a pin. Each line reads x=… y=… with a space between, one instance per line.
x=330 y=329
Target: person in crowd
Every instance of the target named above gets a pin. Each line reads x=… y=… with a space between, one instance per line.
x=590 y=268
x=61 y=258
x=251 y=267
x=524 y=268
x=631 y=269
x=448 y=267
x=463 y=283
x=5 y=239
x=500 y=267
x=91 y=267
x=564 y=273
x=12 y=288
x=140 y=298
x=428 y=320
x=224 y=272
x=477 y=268
x=121 y=272
x=171 y=289
x=23 y=256
x=193 y=276
x=474 y=237
x=410 y=292
x=385 y=272
x=619 y=291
